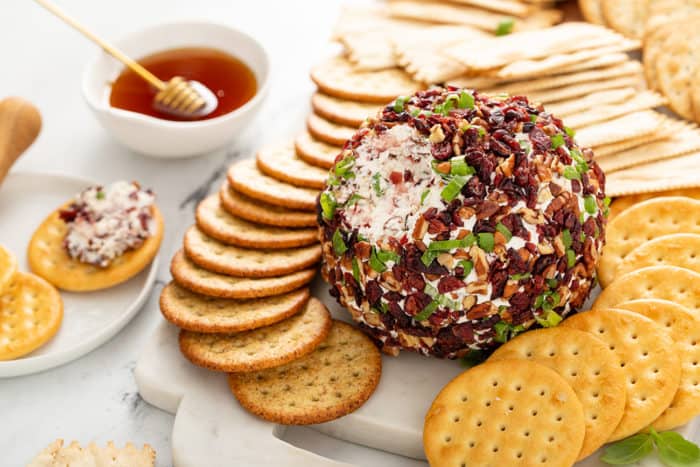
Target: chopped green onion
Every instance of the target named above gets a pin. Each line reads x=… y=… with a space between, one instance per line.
x=505 y=27
x=481 y=130
x=557 y=140
x=429 y=256
x=582 y=217
x=385 y=255
x=453 y=188
x=607 y=201
x=501 y=329
x=590 y=205
x=570 y=258
x=533 y=118
x=328 y=205
x=458 y=166
x=399 y=103
x=445 y=245
x=338 y=244
x=486 y=241
x=466 y=100
x=552 y=283
x=539 y=300
x=569 y=131
x=342 y=168
x=423 y=196
x=525 y=146
x=100 y=195
x=566 y=238
x=356 y=270
x=606 y=206
x=375 y=263
x=504 y=231
x=550 y=319
x=576 y=155
x=521 y=276
x=377 y=184
x=582 y=237
x=427 y=311
x=466 y=265
x=383 y=307
x=353 y=200
x=571 y=173
x=472 y=358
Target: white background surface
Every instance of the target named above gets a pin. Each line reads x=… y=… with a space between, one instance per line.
x=95 y=397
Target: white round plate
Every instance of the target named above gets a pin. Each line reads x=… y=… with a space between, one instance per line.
x=90 y=319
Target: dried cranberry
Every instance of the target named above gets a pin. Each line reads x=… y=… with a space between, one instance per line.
x=449 y=284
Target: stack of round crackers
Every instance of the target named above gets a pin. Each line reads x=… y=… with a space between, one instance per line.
x=31 y=309
x=240 y=296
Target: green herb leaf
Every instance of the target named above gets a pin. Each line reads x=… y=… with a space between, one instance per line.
x=521 y=276
x=674 y=450
x=629 y=450
x=375 y=263
x=377 y=184
x=486 y=241
x=356 y=270
x=549 y=319
x=590 y=205
x=338 y=243
x=466 y=265
x=466 y=100
x=453 y=188
x=399 y=103
x=570 y=258
x=505 y=27
x=533 y=118
x=504 y=231
x=423 y=196
x=570 y=132
x=557 y=140
x=328 y=205
x=427 y=311
x=571 y=173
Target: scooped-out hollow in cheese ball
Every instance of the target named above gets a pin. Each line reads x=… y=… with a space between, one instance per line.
x=453 y=221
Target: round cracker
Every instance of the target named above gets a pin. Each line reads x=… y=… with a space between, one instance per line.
x=681 y=250
x=192 y=277
x=261 y=348
x=31 y=311
x=505 y=412
x=342 y=111
x=281 y=162
x=8 y=267
x=663 y=282
x=337 y=77
x=200 y=313
x=587 y=365
x=647 y=357
x=641 y=223
x=217 y=223
x=219 y=257
x=592 y=11
x=316 y=152
x=328 y=132
x=253 y=210
x=49 y=259
x=245 y=177
x=684 y=329
x=623 y=202
x=627 y=17
x=675 y=68
x=332 y=381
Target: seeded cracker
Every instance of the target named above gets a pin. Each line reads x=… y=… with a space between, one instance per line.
x=684 y=329
x=282 y=163
x=315 y=152
x=200 y=313
x=192 y=277
x=328 y=132
x=253 y=210
x=343 y=112
x=217 y=223
x=243 y=262
x=505 y=412
x=587 y=365
x=8 y=267
x=261 y=348
x=332 y=381
x=645 y=354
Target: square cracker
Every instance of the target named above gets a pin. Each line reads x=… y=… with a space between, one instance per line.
x=590 y=101
x=576 y=90
x=630 y=126
x=677 y=173
x=641 y=101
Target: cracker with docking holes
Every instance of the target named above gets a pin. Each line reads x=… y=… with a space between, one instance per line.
x=218 y=223
x=630 y=126
x=282 y=163
x=572 y=91
x=330 y=382
x=646 y=355
x=31 y=311
x=219 y=257
x=200 y=313
x=73 y=455
x=622 y=203
x=626 y=16
x=245 y=177
x=681 y=250
x=328 y=132
x=8 y=267
x=337 y=77
x=253 y=210
x=192 y=277
x=684 y=329
x=671 y=283
x=587 y=365
x=505 y=412
x=641 y=223
x=49 y=259
x=341 y=111
x=677 y=65
x=315 y=152
x=261 y=348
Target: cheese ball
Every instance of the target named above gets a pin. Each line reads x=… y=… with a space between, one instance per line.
x=454 y=220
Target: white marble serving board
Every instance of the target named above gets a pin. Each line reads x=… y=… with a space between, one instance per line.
x=212 y=429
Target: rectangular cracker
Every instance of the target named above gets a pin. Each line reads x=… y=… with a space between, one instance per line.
x=509 y=7
x=630 y=126
x=546 y=96
x=590 y=101
x=684 y=142
x=563 y=38
x=668 y=128
x=679 y=172
x=444 y=13
x=370 y=50
x=642 y=101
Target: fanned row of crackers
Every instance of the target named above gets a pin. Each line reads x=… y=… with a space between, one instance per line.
x=31 y=309
x=241 y=298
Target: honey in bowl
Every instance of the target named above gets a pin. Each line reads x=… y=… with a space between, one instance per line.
x=231 y=80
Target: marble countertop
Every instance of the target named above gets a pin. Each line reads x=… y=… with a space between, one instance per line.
x=94 y=398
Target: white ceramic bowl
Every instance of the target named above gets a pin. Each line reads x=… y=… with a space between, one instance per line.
x=165 y=138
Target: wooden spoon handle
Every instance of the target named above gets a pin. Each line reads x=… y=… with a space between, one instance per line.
x=20 y=123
